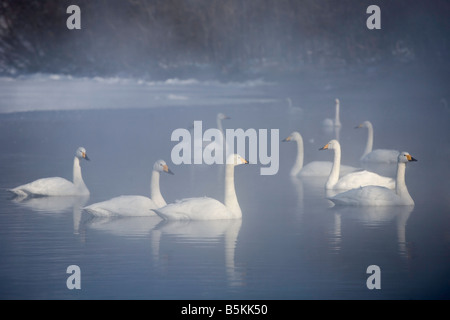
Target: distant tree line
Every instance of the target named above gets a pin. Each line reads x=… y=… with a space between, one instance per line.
x=141 y=37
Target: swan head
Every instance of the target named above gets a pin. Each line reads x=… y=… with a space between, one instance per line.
x=81 y=153
x=333 y=144
x=365 y=124
x=294 y=136
x=221 y=116
x=161 y=166
x=236 y=159
x=405 y=157
x=337 y=101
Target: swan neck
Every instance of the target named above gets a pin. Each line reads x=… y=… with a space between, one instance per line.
x=219 y=125
x=335 y=168
x=369 y=143
x=155 y=192
x=337 y=120
x=77 y=177
x=231 y=201
x=400 y=186
x=298 y=165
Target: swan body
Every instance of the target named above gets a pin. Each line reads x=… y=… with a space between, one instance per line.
x=336 y=122
x=205 y=208
x=57 y=186
x=354 y=179
x=377 y=195
x=134 y=205
x=378 y=155
x=314 y=168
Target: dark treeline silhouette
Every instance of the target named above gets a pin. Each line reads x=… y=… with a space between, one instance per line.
x=138 y=37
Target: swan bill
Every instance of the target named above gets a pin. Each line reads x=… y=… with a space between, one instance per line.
x=408 y=156
x=325 y=147
x=166 y=169
x=85 y=157
x=287 y=139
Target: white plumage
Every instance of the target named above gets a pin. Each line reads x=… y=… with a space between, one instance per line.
x=380 y=196
x=57 y=186
x=354 y=179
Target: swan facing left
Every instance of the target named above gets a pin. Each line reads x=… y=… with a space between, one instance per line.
x=134 y=205
x=206 y=208
x=56 y=186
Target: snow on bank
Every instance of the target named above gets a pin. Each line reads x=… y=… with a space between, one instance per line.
x=61 y=92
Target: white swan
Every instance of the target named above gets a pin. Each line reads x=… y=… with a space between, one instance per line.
x=380 y=196
x=354 y=179
x=314 y=168
x=207 y=208
x=293 y=109
x=57 y=186
x=378 y=155
x=220 y=143
x=336 y=122
x=134 y=205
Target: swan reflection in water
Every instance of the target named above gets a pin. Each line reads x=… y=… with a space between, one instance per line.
x=373 y=217
x=209 y=231
x=56 y=206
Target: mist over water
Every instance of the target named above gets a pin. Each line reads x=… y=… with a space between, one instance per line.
x=291 y=242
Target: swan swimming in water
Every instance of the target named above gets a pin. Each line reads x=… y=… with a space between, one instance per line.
x=206 y=208
x=380 y=196
x=354 y=179
x=336 y=122
x=134 y=205
x=378 y=155
x=56 y=186
x=314 y=168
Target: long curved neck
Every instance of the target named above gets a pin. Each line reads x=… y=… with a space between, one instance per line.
x=369 y=143
x=298 y=165
x=219 y=125
x=231 y=201
x=400 y=186
x=337 y=120
x=155 y=192
x=77 y=177
x=335 y=169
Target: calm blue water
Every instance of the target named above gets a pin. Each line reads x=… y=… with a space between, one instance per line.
x=290 y=243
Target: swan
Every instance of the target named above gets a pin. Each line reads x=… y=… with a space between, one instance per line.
x=292 y=109
x=56 y=186
x=314 y=168
x=134 y=205
x=336 y=122
x=219 y=143
x=206 y=208
x=378 y=155
x=354 y=179
x=377 y=195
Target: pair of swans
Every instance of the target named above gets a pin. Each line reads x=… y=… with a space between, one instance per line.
x=134 y=205
x=378 y=155
x=56 y=186
x=314 y=168
x=203 y=208
x=378 y=195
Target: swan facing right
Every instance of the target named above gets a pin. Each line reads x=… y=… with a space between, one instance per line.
x=380 y=196
x=57 y=186
x=206 y=208
x=134 y=205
